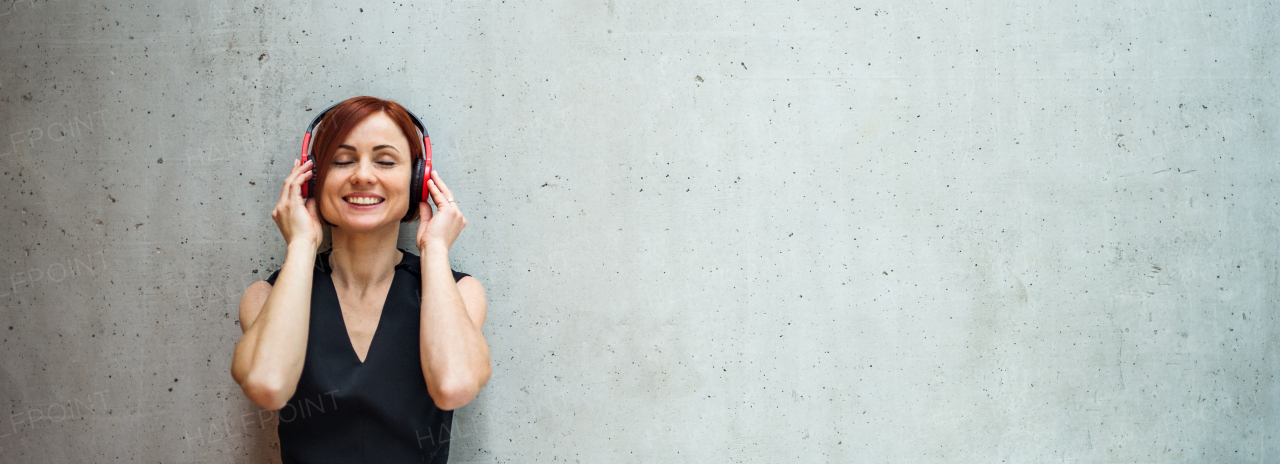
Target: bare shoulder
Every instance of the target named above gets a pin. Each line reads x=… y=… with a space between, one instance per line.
x=251 y=303
x=474 y=298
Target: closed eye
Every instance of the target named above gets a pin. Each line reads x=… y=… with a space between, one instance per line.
x=344 y=163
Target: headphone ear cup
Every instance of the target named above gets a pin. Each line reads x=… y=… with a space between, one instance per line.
x=311 y=185
x=415 y=185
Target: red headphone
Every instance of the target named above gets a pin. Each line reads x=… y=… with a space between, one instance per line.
x=421 y=168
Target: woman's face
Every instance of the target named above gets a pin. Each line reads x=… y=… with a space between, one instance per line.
x=367 y=184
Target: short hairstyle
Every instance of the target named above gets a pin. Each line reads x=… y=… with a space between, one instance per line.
x=339 y=122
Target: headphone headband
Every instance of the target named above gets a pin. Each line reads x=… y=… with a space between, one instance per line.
x=412 y=117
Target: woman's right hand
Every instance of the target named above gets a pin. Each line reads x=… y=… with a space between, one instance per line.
x=297 y=219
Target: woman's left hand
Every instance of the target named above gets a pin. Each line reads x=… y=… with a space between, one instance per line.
x=443 y=227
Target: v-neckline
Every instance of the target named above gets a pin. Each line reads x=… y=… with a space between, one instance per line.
x=346 y=332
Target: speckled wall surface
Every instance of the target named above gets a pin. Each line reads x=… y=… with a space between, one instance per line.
x=740 y=231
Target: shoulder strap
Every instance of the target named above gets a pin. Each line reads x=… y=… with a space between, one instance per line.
x=413 y=263
x=409 y=262
x=322 y=265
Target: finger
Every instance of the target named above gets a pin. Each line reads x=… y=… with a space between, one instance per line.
x=424 y=212
x=435 y=175
x=284 y=189
x=298 y=169
x=295 y=181
x=436 y=194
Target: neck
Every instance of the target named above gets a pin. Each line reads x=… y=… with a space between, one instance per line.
x=360 y=260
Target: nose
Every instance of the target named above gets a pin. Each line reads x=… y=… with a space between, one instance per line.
x=364 y=174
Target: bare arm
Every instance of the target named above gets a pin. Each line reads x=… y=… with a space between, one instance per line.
x=455 y=355
x=267 y=362
x=268 y=358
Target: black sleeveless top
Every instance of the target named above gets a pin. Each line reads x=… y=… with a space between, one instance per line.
x=376 y=411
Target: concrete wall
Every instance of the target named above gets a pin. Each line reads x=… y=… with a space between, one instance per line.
x=740 y=231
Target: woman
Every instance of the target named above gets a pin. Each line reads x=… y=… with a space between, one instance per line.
x=364 y=349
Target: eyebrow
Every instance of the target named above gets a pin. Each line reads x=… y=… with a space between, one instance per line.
x=379 y=147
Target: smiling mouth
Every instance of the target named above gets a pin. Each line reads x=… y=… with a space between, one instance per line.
x=363 y=200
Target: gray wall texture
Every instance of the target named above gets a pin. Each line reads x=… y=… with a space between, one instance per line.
x=735 y=231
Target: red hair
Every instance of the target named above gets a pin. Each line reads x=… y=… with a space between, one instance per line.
x=339 y=122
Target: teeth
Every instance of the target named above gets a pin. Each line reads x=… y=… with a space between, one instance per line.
x=363 y=200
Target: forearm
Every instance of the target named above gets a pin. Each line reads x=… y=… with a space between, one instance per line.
x=270 y=355
x=455 y=356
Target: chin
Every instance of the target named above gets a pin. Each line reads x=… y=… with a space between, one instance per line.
x=366 y=224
